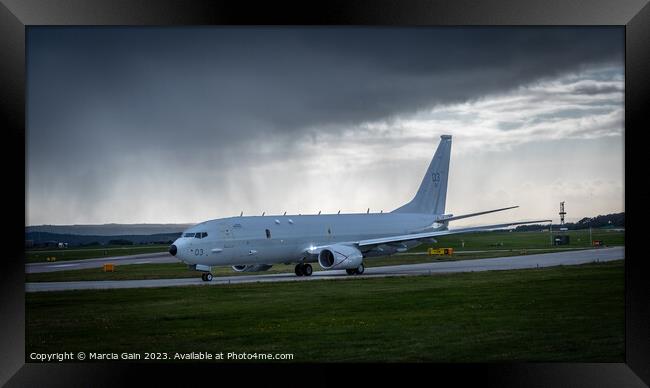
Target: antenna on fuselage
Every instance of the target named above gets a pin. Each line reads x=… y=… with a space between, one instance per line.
x=319 y=212
x=339 y=212
x=263 y=214
x=368 y=211
x=285 y=213
x=381 y=211
x=242 y=213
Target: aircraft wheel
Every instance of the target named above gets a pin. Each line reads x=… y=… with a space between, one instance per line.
x=307 y=270
x=203 y=277
x=350 y=271
x=208 y=276
x=360 y=269
x=298 y=270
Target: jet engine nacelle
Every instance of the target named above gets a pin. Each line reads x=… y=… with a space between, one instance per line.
x=251 y=268
x=340 y=257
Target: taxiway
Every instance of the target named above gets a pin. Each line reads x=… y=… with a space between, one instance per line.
x=493 y=264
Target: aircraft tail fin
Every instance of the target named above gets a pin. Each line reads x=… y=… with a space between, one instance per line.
x=432 y=194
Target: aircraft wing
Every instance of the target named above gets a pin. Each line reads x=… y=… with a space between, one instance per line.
x=418 y=236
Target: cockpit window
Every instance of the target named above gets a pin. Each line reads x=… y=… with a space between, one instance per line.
x=205 y=234
x=188 y=235
x=201 y=235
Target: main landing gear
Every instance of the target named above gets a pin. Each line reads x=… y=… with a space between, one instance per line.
x=206 y=276
x=356 y=271
x=303 y=270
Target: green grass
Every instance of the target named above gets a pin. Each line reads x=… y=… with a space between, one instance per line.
x=63 y=254
x=122 y=272
x=573 y=313
x=521 y=240
x=138 y=271
x=400 y=259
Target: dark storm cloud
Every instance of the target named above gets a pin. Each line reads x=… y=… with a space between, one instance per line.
x=130 y=86
x=191 y=101
x=591 y=89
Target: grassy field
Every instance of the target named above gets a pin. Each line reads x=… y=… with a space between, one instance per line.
x=522 y=240
x=573 y=313
x=62 y=254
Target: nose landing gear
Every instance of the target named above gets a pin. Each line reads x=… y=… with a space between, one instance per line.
x=303 y=270
x=207 y=277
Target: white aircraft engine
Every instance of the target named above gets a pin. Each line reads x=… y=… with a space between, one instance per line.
x=340 y=257
x=251 y=268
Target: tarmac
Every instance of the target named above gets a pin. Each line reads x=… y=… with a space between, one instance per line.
x=493 y=264
x=145 y=258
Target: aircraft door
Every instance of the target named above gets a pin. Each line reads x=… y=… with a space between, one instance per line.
x=227 y=236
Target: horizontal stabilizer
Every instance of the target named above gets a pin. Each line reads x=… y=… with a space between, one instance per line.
x=475 y=214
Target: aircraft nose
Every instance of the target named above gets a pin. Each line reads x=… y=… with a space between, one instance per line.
x=173 y=250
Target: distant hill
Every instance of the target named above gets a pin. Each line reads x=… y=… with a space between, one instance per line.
x=45 y=238
x=77 y=235
x=109 y=229
x=614 y=220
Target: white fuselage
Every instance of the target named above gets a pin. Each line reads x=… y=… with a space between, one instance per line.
x=288 y=238
x=335 y=241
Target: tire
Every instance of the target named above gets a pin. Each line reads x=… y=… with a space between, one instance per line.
x=208 y=277
x=307 y=270
x=360 y=269
x=298 y=270
x=203 y=277
x=350 y=271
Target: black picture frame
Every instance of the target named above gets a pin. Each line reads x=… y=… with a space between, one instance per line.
x=15 y=15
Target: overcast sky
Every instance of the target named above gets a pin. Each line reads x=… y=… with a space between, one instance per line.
x=166 y=125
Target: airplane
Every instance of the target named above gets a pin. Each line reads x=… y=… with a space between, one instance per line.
x=334 y=241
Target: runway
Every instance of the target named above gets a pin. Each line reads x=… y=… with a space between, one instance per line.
x=145 y=258
x=164 y=257
x=494 y=264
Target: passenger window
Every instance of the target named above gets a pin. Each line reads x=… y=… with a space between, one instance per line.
x=268 y=233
